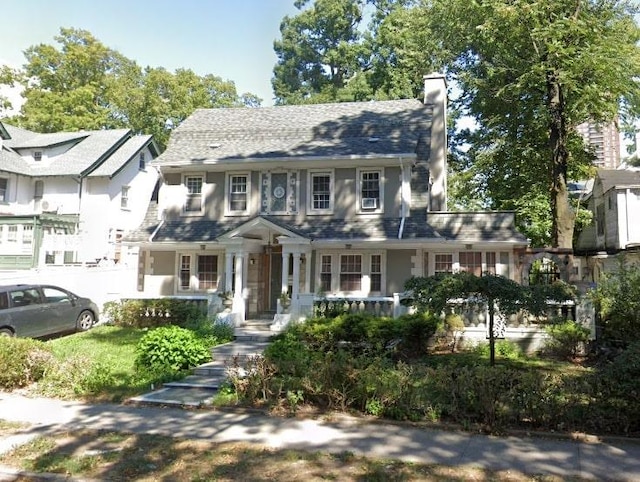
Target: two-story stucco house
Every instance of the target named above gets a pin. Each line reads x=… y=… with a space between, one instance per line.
x=69 y=197
x=615 y=205
x=343 y=201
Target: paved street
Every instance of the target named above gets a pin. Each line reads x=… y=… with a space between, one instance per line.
x=609 y=460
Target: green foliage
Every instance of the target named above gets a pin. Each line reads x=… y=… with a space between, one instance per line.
x=566 y=339
x=82 y=84
x=150 y=313
x=23 y=361
x=617 y=297
x=506 y=349
x=170 y=349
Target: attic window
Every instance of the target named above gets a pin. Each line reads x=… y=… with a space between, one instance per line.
x=37 y=156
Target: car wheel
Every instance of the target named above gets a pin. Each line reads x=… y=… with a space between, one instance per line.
x=85 y=321
x=6 y=332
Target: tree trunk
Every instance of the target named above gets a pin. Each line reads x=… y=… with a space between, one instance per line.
x=492 y=337
x=562 y=213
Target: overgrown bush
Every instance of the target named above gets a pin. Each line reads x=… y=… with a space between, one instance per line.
x=170 y=349
x=22 y=361
x=567 y=339
x=618 y=300
x=505 y=349
x=151 y=313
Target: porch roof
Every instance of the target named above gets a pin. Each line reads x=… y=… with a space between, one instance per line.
x=418 y=227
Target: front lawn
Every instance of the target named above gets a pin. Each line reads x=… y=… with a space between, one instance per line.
x=96 y=365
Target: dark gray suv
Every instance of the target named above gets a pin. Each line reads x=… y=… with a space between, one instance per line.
x=41 y=310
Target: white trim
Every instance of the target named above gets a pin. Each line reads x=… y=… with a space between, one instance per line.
x=379 y=208
x=227 y=193
x=365 y=272
x=203 y=178
x=332 y=185
x=194 y=282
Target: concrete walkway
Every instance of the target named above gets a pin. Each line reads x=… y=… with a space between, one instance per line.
x=598 y=460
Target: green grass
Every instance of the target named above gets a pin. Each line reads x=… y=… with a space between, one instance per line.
x=97 y=365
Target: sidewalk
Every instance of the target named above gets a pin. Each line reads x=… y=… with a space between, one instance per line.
x=613 y=460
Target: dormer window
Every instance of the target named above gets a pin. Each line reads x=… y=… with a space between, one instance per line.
x=37 y=156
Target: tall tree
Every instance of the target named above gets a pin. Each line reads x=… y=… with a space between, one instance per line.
x=530 y=72
x=321 y=49
x=82 y=84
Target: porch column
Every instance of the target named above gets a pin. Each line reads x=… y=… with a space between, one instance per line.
x=238 y=295
x=285 y=271
x=238 y=276
x=307 y=273
x=296 y=276
x=228 y=269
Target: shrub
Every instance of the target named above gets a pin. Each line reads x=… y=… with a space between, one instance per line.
x=566 y=339
x=504 y=349
x=23 y=361
x=170 y=349
x=618 y=300
x=151 y=313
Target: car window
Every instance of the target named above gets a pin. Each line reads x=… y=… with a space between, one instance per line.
x=54 y=295
x=25 y=297
x=4 y=301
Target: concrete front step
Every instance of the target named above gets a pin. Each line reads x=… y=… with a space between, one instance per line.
x=210 y=381
x=199 y=388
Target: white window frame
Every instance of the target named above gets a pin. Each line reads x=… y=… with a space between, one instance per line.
x=313 y=173
x=185 y=181
x=12 y=233
x=142 y=163
x=37 y=156
x=228 y=193
x=124 y=198
x=435 y=262
x=192 y=268
x=27 y=234
x=359 y=196
x=4 y=191
x=365 y=284
x=38 y=189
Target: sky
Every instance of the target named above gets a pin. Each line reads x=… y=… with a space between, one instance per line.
x=232 y=39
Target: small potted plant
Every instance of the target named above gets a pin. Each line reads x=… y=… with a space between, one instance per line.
x=227 y=298
x=285 y=300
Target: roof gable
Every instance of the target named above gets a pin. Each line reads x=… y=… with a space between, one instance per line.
x=618 y=178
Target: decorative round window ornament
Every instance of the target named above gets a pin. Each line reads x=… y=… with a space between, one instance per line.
x=278 y=192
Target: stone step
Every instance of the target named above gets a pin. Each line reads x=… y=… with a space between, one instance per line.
x=177 y=396
x=210 y=381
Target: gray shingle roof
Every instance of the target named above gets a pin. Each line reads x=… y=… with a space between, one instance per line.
x=88 y=150
x=316 y=130
x=123 y=155
x=421 y=226
x=611 y=178
x=12 y=162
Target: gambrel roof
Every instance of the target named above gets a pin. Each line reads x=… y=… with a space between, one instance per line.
x=349 y=129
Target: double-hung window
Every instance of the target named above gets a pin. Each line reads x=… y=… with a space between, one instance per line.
x=198 y=272
x=471 y=262
x=237 y=193
x=193 y=203
x=350 y=272
x=370 y=191
x=443 y=263
x=321 y=192
x=4 y=189
x=124 y=197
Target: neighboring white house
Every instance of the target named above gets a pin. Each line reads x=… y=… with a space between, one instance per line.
x=69 y=197
x=615 y=205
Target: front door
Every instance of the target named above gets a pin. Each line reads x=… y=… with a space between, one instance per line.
x=270 y=279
